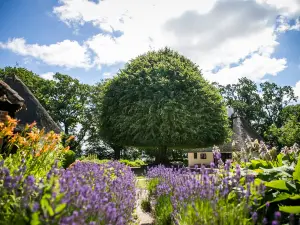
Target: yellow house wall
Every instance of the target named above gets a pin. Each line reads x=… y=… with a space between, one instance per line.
x=207 y=161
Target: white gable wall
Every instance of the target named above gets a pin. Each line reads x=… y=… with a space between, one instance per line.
x=192 y=161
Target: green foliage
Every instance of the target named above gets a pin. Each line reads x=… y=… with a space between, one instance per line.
x=160 y=99
x=69 y=158
x=288 y=132
x=290 y=209
x=65 y=98
x=228 y=213
x=253 y=151
x=37 y=150
x=244 y=98
x=152 y=185
x=262 y=106
x=146 y=205
x=281 y=177
x=93 y=159
x=136 y=163
x=163 y=210
x=12 y=207
x=36 y=84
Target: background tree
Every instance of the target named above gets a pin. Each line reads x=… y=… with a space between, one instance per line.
x=160 y=99
x=275 y=99
x=65 y=98
x=95 y=143
x=287 y=133
x=260 y=105
x=244 y=98
x=68 y=104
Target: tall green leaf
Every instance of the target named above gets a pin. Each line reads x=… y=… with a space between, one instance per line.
x=290 y=209
x=296 y=174
x=277 y=185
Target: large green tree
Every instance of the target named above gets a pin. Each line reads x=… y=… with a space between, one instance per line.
x=160 y=99
x=94 y=142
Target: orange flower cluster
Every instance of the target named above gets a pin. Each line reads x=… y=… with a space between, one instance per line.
x=7 y=128
x=31 y=140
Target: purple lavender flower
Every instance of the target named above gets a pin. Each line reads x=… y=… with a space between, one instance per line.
x=254 y=217
x=265 y=221
x=88 y=189
x=277 y=215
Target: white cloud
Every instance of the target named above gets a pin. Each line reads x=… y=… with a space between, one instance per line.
x=255 y=68
x=121 y=15
x=107 y=75
x=48 y=76
x=284 y=7
x=27 y=60
x=67 y=53
x=213 y=34
x=297 y=89
x=285 y=24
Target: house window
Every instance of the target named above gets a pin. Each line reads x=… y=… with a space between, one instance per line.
x=195 y=155
x=203 y=156
x=226 y=156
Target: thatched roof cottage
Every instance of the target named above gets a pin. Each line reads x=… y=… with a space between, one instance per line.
x=19 y=102
x=242 y=131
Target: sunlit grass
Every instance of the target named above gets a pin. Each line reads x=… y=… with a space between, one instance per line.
x=141 y=182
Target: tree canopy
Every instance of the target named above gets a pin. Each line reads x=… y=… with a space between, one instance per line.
x=160 y=99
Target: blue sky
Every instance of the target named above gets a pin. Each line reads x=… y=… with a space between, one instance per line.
x=91 y=40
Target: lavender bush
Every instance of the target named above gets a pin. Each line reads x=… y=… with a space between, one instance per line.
x=262 y=189
x=185 y=197
x=86 y=193
x=225 y=196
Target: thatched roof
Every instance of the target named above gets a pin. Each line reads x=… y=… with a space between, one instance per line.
x=8 y=95
x=242 y=131
x=34 y=111
x=223 y=148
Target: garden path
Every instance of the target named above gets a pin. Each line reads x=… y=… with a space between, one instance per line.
x=144 y=218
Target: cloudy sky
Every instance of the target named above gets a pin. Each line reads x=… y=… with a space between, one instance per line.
x=92 y=39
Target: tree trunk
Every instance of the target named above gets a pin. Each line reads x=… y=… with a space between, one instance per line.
x=117 y=152
x=66 y=129
x=162 y=156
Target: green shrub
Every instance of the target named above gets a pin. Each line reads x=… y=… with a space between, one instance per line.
x=69 y=158
x=145 y=205
x=140 y=162
x=163 y=210
x=136 y=163
x=152 y=184
x=99 y=161
x=93 y=158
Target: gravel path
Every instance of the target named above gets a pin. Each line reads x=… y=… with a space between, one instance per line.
x=144 y=218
